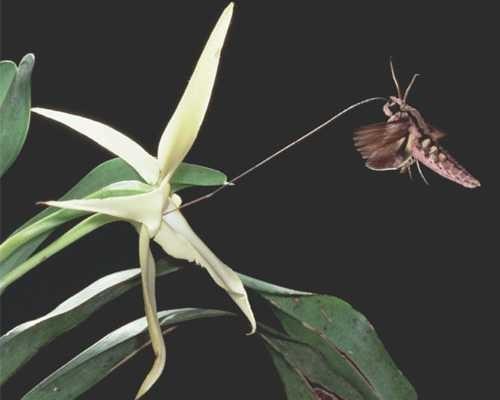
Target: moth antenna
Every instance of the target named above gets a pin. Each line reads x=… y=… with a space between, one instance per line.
x=410 y=175
x=421 y=173
x=396 y=83
x=409 y=86
x=279 y=152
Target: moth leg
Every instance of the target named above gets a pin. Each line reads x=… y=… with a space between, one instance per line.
x=421 y=173
x=409 y=172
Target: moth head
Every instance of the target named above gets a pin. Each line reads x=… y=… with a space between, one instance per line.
x=394 y=106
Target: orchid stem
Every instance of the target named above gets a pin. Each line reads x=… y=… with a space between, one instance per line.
x=279 y=152
x=78 y=231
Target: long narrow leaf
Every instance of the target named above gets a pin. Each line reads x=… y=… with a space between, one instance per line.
x=100 y=359
x=92 y=184
x=20 y=344
x=58 y=217
x=80 y=230
x=328 y=350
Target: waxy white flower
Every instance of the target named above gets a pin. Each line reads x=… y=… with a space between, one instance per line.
x=155 y=213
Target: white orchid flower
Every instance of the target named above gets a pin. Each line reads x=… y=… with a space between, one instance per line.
x=155 y=213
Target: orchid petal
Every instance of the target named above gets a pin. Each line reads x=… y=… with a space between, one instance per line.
x=145 y=208
x=115 y=142
x=183 y=127
x=178 y=240
x=148 y=274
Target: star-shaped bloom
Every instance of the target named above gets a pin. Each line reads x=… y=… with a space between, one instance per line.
x=155 y=213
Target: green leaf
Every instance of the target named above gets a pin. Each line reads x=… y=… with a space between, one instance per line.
x=328 y=350
x=187 y=175
x=295 y=384
x=20 y=344
x=341 y=336
x=117 y=170
x=352 y=334
x=19 y=244
x=263 y=287
x=319 y=362
x=15 y=104
x=100 y=359
x=8 y=71
x=108 y=172
x=13 y=252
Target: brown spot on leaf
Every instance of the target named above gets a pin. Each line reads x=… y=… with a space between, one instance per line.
x=322 y=394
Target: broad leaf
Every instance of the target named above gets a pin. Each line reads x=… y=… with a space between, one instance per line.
x=100 y=359
x=352 y=335
x=20 y=344
x=15 y=104
x=342 y=337
x=319 y=363
x=295 y=384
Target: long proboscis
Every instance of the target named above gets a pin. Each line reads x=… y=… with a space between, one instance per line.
x=279 y=152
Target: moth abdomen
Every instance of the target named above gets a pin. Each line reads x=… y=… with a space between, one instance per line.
x=435 y=157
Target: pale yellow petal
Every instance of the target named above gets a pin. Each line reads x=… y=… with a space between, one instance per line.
x=178 y=240
x=148 y=275
x=143 y=208
x=117 y=143
x=183 y=127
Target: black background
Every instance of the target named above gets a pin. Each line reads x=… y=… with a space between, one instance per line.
x=418 y=261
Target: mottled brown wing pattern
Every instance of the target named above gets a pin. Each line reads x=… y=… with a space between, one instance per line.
x=382 y=145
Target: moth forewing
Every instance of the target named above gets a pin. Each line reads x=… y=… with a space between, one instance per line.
x=383 y=145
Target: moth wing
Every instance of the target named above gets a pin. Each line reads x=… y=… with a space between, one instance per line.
x=383 y=144
x=391 y=157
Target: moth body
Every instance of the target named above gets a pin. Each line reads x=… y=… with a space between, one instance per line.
x=406 y=138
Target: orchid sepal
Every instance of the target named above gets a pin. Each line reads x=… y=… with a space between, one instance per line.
x=114 y=141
